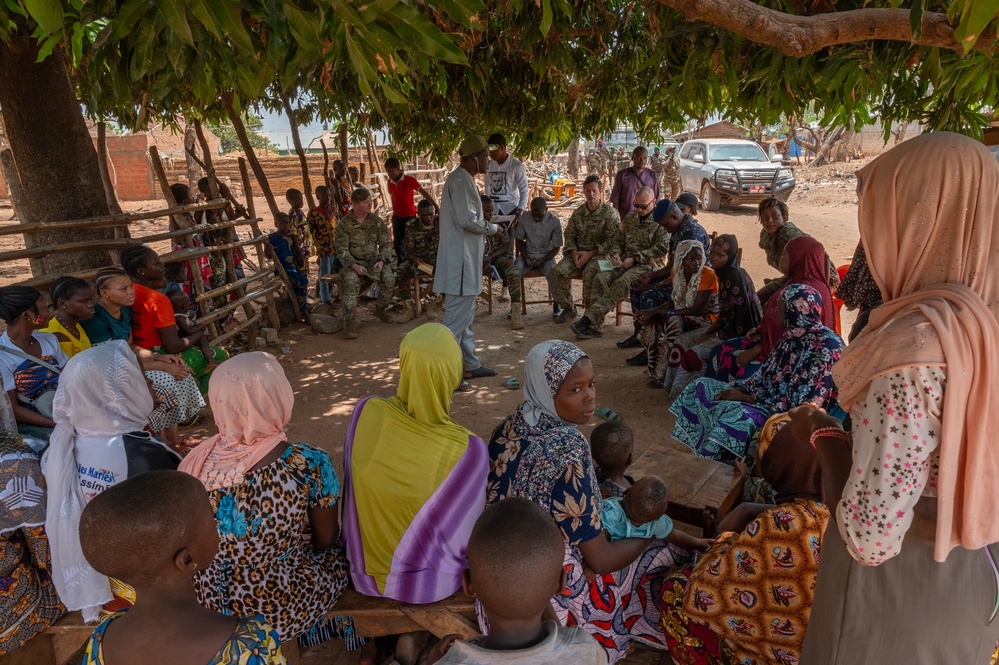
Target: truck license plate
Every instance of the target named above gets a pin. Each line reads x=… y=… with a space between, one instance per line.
x=757 y=189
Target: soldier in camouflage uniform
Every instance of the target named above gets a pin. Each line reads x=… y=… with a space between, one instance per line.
x=591 y=232
x=365 y=251
x=671 y=174
x=592 y=162
x=656 y=162
x=640 y=247
x=499 y=255
x=422 y=237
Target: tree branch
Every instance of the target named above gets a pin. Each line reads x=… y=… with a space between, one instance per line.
x=798 y=36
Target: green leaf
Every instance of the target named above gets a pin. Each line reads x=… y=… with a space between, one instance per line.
x=45 y=50
x=420 y=30
x=546 y=16
x=916 y=18
x=176 y=17
x=47 y=13
x=303 y=28
x=975 y=18
x=76 y=42
x=126 y=18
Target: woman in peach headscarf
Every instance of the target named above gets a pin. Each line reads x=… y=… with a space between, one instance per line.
x=265 y=492
x=908 y=571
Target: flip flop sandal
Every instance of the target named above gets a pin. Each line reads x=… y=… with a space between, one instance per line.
x=464 y=387
x=480 y=373
x=607 y=414
x=512 y=383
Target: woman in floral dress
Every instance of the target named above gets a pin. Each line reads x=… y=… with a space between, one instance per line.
x=265 y=492
x=718 y=422
x=540 y=454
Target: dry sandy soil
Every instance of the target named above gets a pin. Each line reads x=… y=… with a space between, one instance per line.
x=330 y=374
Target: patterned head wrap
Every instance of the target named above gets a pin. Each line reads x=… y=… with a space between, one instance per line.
x=545 y=369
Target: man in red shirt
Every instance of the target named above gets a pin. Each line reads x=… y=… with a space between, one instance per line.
x=401 y=188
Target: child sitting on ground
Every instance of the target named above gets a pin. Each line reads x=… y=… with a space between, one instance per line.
x=182 y=315
x=153 y=531
x=641 y=513
x=612 y=445
x=516 y=540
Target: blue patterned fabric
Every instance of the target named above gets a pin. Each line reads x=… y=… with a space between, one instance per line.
x=798 y=370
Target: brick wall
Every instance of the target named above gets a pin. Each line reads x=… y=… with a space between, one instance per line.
x=129 y=169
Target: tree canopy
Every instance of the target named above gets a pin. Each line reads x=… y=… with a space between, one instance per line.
x=544 y=71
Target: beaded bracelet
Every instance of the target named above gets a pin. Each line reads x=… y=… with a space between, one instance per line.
x=834 y=432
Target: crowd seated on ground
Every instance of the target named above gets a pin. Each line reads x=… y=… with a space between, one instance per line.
x=869 y=465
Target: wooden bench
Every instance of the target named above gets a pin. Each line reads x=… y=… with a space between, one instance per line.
x=373 y=617
x=701 y=491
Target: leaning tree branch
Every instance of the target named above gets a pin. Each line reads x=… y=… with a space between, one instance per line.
x=798 y=36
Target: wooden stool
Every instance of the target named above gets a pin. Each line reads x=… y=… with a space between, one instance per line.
x=701 y=491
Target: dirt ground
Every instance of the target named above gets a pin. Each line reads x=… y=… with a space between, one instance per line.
x=330 y=374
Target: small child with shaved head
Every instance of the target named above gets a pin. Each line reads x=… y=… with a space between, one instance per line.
x=641 y=513
x=153 y=531
x=515 y=556
x=612 y=445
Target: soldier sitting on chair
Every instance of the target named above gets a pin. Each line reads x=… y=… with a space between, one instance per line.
x=422 y=237
x=365 y=250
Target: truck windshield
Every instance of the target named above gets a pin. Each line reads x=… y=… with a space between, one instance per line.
x=740 y=152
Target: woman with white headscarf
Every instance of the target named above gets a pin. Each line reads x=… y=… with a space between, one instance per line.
x=100 y=409
x=693 y=307
x=539 y=453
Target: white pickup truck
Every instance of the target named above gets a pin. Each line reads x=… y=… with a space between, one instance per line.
x=732 y=171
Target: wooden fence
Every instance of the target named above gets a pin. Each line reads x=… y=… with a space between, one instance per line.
x=258 y=286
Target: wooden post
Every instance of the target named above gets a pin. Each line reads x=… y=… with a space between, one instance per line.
x=250 y=208
x=251 y=156
x=297 y=140
x=260 y=254
x=369 y=144
x=109 y=194
x=193 y=168
x=326 y=164
x=344 y=145
x=17 y=198
x=206 y=152
x=182 y=223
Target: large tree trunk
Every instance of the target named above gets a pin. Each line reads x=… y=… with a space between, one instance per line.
x=53 y=152
x=574 y=159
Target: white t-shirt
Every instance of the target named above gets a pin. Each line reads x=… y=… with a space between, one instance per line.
x=506 y=185
x=9 y=363
x=561 y=645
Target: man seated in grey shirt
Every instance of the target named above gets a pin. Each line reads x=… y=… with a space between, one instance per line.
x=539 y=238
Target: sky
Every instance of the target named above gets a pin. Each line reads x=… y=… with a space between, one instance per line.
x=280 y=131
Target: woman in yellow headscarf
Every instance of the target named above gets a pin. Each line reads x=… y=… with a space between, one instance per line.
x=415 y=480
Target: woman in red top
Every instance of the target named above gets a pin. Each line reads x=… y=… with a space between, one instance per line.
x=153 y=323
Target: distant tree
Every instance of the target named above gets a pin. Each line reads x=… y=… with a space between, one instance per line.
x=230 y=142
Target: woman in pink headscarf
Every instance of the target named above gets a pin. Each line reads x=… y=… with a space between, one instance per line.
x=908 y=571
x=265 y=492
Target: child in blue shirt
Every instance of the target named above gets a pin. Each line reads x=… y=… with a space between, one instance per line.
x=641 y=513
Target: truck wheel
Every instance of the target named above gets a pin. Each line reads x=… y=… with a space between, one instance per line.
x=710 y=200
